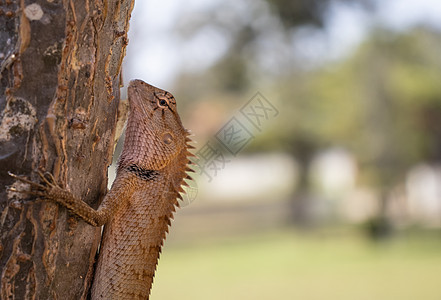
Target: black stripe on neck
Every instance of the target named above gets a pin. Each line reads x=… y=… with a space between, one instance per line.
x=142 y=173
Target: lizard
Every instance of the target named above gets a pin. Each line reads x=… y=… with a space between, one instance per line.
x=137 y=210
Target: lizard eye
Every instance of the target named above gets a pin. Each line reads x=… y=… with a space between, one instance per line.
x=164 y=100
x=167 y=138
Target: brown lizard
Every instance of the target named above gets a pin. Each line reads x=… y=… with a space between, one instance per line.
x=138 y=208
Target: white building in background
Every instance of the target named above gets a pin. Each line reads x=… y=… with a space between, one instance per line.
x=269 y=177
x=334 y=173
x=335 y=194
x=423 y=189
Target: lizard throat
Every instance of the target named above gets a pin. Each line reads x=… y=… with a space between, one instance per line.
x=141 y=173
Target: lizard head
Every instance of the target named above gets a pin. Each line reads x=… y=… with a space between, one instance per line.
x=155 y=136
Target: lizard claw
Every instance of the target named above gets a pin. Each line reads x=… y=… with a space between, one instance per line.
x=25 y=180
x=34 y=185
x=28 y=192
x=51 y=181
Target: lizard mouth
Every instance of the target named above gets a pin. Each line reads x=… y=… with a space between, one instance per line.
x=139 y=93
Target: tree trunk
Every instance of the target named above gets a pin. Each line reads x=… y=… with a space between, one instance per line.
x=59 y=94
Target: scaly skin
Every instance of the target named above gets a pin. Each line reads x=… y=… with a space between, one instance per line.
x=138 y=208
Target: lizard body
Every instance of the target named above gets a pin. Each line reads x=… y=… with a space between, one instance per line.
x=138 y=209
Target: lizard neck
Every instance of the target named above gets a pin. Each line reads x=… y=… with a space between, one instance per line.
x=151 y=146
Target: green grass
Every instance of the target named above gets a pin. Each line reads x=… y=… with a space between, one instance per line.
x=286 y=265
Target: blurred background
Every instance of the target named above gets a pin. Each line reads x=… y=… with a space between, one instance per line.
x=318 y=130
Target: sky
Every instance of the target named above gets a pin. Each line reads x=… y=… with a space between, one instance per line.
x=156 y=54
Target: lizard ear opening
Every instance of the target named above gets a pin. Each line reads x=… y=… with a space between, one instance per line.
x=167 y=138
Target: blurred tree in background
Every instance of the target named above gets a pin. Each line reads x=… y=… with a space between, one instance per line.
x=382 y=102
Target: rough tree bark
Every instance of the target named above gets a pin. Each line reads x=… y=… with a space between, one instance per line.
x=59 y=94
